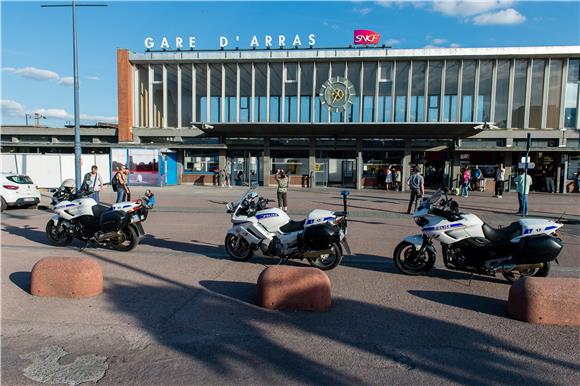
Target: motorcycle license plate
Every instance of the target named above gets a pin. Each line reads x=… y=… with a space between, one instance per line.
x=135 y=218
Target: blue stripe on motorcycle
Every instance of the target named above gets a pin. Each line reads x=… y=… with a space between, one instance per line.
x=550 y=227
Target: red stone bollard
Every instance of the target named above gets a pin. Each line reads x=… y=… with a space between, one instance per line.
x=545 y=300
x=294 y=288
x=66 y=277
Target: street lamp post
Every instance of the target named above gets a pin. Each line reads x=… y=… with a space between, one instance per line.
x=73 y=6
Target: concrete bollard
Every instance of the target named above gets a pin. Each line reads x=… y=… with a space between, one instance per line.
x=294 y=288
x=66 y=277
x=542 y=300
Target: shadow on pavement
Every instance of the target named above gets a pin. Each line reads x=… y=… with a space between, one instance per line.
x=28 y=232
x=22 y=280
x=195 y=246
x=245 y=292
x=477 y=303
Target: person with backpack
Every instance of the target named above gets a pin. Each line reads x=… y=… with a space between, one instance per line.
x=120 y=184
x=90 y=183
x=282 y=180
x=416 y=183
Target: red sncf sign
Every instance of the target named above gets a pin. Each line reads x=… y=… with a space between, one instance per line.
x=366 y=36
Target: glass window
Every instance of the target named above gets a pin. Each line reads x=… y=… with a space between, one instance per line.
x=245 y=92
x=418 y=92
x=186 y=96
x=321 y=113
x=369 y=89
x=484 y=97
x=385 y=102
x=260 y=113
x=354 y=77
x=275 y=91
x=537 y=93
x=519 y=95
x=231 y=92
x=376 y=162
x=291 y=92
x=171 y=95
x=337 y=69
x=451 y=83
x=306 y=74
x=195 y=161
x=467 y=90
x=143 y=167
x=502 y=93
x=294 y=162
x=157 y=95
x=435 y=69
x=554 y=94
x=201 y=92
x=215 y=98
x=401 y=85
x=143 y=96
x=570 y=109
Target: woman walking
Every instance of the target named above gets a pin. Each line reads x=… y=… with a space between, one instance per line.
x=465 y=175
x=389 y=179
x=282 y=180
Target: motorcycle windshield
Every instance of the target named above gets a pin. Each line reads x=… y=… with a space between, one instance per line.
x=435 y=197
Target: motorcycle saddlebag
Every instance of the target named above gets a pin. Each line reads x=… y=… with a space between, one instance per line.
x=320 y=236
x=537 y=249
x=114 y=220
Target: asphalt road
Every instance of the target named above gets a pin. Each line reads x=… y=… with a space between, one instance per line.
x=176 y=310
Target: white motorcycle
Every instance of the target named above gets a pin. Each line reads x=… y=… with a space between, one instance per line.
x=77 y=216
x=320 y=238
x=524 y=248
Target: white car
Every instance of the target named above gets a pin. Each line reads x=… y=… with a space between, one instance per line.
x=18 y=190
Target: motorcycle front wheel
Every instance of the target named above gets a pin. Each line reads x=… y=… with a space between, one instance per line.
x=327 y=261
x=58 y=235
x=127 y=240
x=239 y=250
x=409 y=262
x=513 y=276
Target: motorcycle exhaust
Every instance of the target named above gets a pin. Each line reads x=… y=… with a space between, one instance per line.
x=513 y=267
x=316 y=254
x=106 y=236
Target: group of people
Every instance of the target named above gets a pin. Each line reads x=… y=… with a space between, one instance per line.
x=93 y=182
x=471 y=179
x=391 y=176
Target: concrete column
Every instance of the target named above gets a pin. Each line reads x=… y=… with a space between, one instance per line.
x=455 y=169
x=558 y=172
x=222 y=163
x=125 y=96
x=508 y=164
x=359 y=163
x=312 y=161
x=406 y=172
x=266 y=162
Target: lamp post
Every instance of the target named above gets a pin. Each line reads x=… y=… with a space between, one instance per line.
x=73 y=6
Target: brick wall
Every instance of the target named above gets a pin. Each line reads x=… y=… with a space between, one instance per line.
x=124 y=95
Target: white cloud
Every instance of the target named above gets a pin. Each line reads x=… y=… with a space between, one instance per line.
x=438 y=41
x=505 y=17
x=454 y=45
x=93 y=77
x=67 y=81
x=39 y=74
x=392 y=42
x=363 y=11
x=54 y=113
x=12 y=108
x=468 y=8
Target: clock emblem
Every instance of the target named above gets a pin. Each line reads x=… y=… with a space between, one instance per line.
x=337 y=93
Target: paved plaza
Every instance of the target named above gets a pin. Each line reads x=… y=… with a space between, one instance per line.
x=176 y=310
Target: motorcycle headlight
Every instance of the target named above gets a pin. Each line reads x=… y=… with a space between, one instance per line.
x=421 y=221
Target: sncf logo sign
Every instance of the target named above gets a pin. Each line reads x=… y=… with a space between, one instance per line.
x=366 y=36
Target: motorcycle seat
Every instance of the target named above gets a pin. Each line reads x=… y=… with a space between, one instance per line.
x=496 y=235
x=292 y=226
x=99 y=209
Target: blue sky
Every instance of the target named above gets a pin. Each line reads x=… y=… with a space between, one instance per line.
x=36 y=43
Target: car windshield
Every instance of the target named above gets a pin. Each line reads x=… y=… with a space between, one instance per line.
x=20 y=179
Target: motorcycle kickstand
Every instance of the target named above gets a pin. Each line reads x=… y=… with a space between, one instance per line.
x=470 y=277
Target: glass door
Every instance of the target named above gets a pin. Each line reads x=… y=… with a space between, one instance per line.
x=348 y=173
x=321 y=173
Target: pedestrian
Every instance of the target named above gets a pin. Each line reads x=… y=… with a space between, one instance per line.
x=389 y=178
x=477 y=177
x=122 y=180
x=523 y=183
x=222 y=176
x=148 y=199
x=228 y=174
x=499 y=180
x=93 y=181
x=416 y=183
x=550 y=187
x=465 y=177
x=398 y=179
x=282 y=180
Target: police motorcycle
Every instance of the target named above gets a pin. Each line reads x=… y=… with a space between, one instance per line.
x=320 y=238
x=524 y=248
x=78 y=216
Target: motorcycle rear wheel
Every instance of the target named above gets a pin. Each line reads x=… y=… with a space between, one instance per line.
x=58 y=237
x=128 y=240
x=513 y=276
x=238 y=250
x=413 y=265
x=327 y=262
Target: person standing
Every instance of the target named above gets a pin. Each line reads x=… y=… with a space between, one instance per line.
x=550 y=187
x=465 y=176
x=222 y=177
x=123 y=192
x=416 y=183
x=389 y=178
x=90 y=182
x=499 y=180
x=397 y=179
x=228 y=174
x=523 y=183
x=282 y=180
